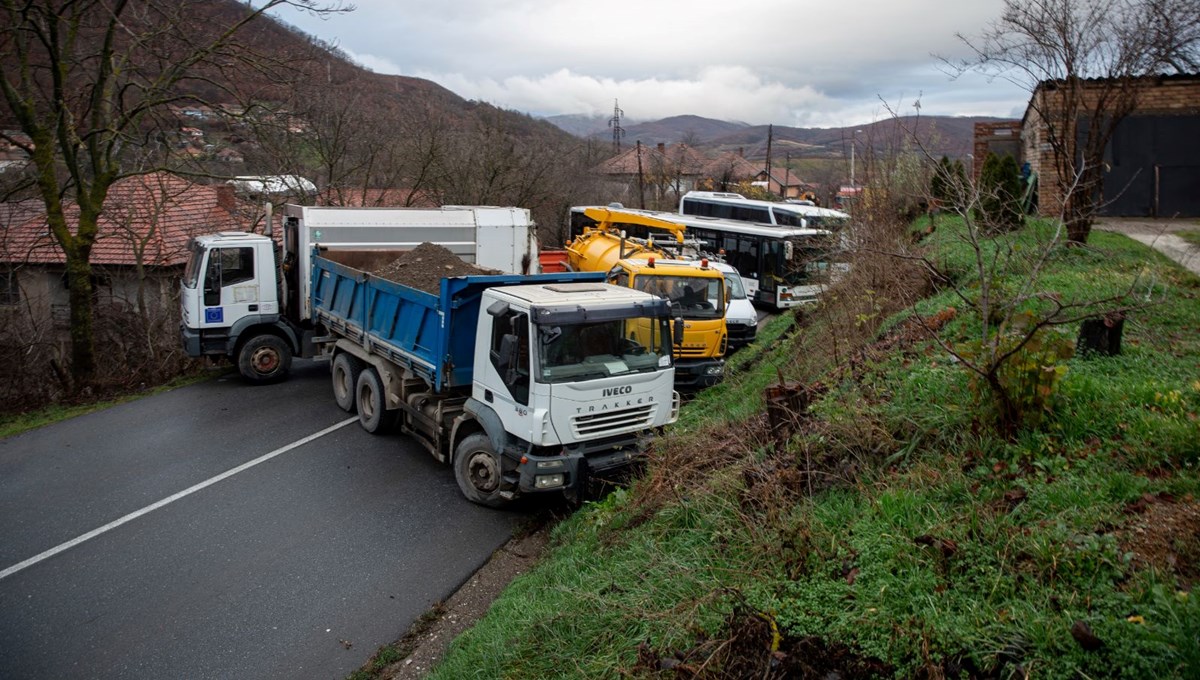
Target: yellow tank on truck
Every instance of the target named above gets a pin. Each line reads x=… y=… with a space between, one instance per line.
x=599 y=248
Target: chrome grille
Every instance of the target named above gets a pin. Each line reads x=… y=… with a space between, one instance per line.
x=613 y=421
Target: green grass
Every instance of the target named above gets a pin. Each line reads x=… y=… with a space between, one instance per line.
x=1192 y=236
x=928 y=545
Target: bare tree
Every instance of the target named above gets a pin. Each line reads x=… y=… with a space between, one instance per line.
x=1082 y=61
x=1014 y=357
x=89 y=83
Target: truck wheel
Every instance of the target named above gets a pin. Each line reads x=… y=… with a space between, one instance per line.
x=372 y=404
x=477 y=470
x=264 y=359
x=346 y=369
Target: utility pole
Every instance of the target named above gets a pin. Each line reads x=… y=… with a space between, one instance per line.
x=770 y=135
x=853 y=143
x=641 y=181
x=615 y=124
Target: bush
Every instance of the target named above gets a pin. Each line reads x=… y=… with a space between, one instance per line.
x=1000 y=194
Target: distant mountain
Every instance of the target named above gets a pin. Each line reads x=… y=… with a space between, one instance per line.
x=582 y=125
x=675 y=129
x=941 y=135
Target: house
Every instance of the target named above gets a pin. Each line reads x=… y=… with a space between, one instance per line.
x=137 y=258
x=782 y=182
x=726 y=171
x=12 y=153
x=666 y=172
x=1151 y=165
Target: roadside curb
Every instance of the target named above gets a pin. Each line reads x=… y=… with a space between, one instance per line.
x=467 y=605
x=1158 y=234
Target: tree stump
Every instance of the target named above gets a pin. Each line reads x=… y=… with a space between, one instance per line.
x=1101 y=336
x=787 y=407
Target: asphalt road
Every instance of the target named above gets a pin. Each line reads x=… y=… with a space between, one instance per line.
x=299 y=566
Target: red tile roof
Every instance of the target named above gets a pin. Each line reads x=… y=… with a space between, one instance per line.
x=153 y=214
x=732 y=165
x=626 y=162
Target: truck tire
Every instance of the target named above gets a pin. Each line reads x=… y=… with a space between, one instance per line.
x=478 y=471
x=345 y=369
x=264 y=359
x=372 y=403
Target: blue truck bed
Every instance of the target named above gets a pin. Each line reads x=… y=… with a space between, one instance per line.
x=431 y=335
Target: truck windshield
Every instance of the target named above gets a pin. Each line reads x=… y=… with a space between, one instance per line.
x=586 y=351
x=693 y=297
x=191 y=275
x=737 y=290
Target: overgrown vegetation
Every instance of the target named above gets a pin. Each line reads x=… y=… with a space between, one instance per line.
x=883 y=530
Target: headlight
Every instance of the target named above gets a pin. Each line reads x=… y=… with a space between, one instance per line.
x=714 y=370
x=547 y=481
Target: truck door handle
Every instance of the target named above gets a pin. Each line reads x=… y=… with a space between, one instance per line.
x=253 y=308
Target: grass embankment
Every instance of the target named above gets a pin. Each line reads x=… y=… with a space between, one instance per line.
x=891 y=534
x=15 y=423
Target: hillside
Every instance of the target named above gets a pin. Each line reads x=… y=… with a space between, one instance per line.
x=292 y=73
x=879 y=527
x=943 y=135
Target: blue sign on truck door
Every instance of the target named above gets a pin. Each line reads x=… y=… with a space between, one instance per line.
x=214 y=315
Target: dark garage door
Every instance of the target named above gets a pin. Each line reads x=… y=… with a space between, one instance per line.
x=1154 y=168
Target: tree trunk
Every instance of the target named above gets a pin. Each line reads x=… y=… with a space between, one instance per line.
x=83 y=350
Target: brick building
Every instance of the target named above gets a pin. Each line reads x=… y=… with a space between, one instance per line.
x=1151 y=164
x=139 y=253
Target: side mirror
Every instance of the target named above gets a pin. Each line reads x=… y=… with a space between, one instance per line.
x=506 y=363
x=677 y=331
x=789 y=249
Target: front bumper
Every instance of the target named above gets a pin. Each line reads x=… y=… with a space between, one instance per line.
x=190 y=340
x=198 y=343
x=697 y=374
x=740 y=334
x=565 y=472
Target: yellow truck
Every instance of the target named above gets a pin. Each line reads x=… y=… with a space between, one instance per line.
x=697 y=294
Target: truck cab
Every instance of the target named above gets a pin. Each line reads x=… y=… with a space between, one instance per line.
x=230 y=304
x=573 y=364
x=697 y=295
x=741 y=319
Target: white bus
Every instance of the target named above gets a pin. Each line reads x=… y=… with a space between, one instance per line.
x=731 y=206
x=781 y=267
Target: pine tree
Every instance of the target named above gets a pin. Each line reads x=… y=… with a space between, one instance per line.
x=1009 y=178
x=1000 y=193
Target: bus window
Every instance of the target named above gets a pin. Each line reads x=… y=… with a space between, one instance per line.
x=786 y=218
x=751 y=214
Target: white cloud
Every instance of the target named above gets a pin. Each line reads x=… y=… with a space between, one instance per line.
x=790 y=62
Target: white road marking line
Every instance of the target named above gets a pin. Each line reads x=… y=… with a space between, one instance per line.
x=170 y=499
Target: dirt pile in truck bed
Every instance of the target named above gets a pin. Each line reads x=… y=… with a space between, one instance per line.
x=425 y=266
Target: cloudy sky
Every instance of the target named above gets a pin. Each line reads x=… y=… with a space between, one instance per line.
x=802 y=63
